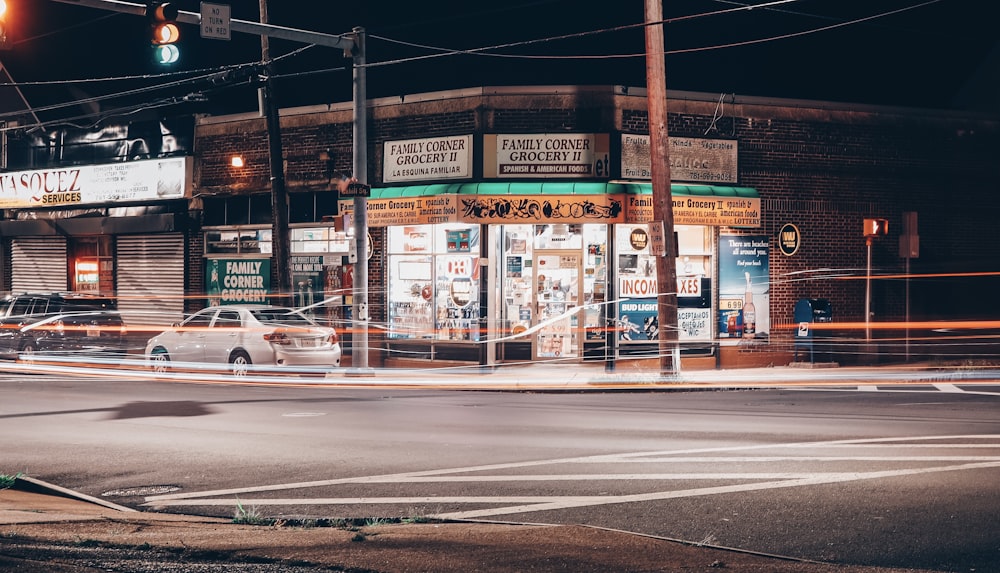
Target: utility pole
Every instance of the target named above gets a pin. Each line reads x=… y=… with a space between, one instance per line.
x=279 y=194
x=359 y=334
x=663 y=209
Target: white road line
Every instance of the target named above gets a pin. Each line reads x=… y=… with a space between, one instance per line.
x=755 y=459
x=948 y=388
x=563 y=504
x=868 y=388
x=549 y=503
x=556 y=461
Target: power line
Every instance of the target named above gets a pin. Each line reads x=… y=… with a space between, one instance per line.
x=482 y=51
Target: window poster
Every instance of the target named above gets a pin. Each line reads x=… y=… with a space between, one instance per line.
x=744 y=287
x=238 y=281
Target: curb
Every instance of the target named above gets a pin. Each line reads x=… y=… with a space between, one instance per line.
x=39 y=486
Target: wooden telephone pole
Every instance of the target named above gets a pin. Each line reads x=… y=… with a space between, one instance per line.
x=663 y=210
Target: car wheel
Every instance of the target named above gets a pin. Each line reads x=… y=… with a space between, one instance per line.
x=159 y=360
x=240 y=362
x=28 y=348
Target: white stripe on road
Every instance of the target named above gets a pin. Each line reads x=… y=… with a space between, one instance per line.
x=656 y=496
x=949 y=388
x=556 y=461
x=550 y=503
x=752 y=459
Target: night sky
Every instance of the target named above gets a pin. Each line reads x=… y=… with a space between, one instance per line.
x=919 y=57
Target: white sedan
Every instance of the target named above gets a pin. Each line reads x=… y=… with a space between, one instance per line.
x=246 y=338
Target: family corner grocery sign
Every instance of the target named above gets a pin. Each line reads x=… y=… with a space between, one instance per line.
x=154 y=179
x=714 y=210
x=427 y=159
x=542 y=155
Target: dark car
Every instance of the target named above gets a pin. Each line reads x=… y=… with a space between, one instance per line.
x=95 y=333
x=18 y=311
x=41 y=304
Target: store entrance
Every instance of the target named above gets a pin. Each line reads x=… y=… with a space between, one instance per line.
x=558 y=291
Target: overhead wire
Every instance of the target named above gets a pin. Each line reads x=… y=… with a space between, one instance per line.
x=206 y=73
x=484 y=51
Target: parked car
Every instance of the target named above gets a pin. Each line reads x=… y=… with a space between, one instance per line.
x=95 y=333
x=18 y=311
x=246 y=338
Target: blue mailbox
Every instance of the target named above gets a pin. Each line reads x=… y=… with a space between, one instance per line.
x=809 y=311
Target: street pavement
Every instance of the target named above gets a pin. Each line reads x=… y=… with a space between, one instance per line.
x=46 y=529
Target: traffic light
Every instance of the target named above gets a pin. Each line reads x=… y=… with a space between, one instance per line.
x=164 y=32
x=3 y=25
x=876 y=227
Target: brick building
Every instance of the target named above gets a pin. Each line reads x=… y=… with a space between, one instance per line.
x=511 y=224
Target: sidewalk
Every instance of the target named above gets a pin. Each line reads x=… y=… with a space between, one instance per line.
x=47 y=530
x=594 y=376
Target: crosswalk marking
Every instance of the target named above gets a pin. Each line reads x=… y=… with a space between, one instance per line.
x=753 y=481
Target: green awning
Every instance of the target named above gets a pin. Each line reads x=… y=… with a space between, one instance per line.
x=556 y=188
x=694 y=190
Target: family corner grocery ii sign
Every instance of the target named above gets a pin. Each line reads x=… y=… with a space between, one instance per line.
x=541 y=155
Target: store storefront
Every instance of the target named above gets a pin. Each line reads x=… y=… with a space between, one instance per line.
x=547 y=258
x=496 y=272
x=115 y=229
x=238 y=254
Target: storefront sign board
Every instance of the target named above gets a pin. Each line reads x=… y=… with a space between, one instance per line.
x=543 y=155
x=238 y=281
x=715 y=211
x=692 y=159
x=486 y=209
x=151 y=180
x=541 y=208
x=430 y=158
x=408 y=210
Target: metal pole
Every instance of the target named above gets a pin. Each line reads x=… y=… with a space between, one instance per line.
x=279 y=195
x=359 y=333
x=868 y=301
x=907 y=298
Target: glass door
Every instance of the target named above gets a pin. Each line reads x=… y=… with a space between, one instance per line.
x=558 y=291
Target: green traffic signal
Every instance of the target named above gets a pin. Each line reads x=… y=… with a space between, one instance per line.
x=166 y=54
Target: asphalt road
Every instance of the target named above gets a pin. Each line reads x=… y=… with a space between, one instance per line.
x=894 y=476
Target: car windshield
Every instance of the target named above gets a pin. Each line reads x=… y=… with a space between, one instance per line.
x=281 y=316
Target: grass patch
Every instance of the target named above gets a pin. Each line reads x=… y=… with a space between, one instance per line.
x=249 y=515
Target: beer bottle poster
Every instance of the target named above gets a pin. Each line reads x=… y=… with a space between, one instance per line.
x=744 y=261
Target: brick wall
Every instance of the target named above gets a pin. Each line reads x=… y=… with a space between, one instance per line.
x=821 y=167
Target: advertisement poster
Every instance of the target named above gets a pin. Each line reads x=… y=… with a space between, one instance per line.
x=638 y=320
x=308 y=279
x=744 y=287
x=237 y=281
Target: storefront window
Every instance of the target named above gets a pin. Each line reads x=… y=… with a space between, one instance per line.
x=238 y=241
x=518 y=243
x=322 y=283
x=434 y=282
x=93 y=265
x=320 y=240
x=549 y=272
x=638 y=316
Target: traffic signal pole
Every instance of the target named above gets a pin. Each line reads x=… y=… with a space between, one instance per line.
x=352 y=45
